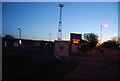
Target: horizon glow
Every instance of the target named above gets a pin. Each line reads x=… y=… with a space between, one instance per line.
x=39 y=19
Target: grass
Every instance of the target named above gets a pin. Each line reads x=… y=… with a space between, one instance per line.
x=25 y=68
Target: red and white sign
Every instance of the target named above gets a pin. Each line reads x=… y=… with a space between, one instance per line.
x=61 y=48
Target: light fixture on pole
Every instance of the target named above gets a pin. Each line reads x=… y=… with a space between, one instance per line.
x=105 y=25
x=20 y=41
x=20 y=33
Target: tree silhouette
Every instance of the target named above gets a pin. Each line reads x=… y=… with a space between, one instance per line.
x=9 y=36
x=91 y=38
x=109 y=44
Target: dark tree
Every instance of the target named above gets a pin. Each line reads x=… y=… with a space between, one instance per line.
x=109 y=44
x=9 y=36
x=91 y=38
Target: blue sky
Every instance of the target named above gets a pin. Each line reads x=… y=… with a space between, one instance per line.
x=39 y=19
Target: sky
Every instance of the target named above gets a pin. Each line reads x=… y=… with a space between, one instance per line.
x=60 y=0
x=39 y=19
x=0 y=19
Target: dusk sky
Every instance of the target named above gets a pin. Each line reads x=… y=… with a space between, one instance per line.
x=39 y=19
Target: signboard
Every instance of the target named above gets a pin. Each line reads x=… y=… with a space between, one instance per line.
x=61 y=48
x=75 y=42
x=74 y=48
x=75 y=38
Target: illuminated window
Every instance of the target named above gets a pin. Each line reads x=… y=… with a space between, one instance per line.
x=76 y=40
x=15 y=44
x=20 y=42
x=46 y=44
x=5 y=43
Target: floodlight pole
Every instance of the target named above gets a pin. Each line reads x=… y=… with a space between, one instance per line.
x=60 y=23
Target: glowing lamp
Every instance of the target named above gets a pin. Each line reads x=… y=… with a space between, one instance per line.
x=76 y=40
x=119 y=46
x=105 y=25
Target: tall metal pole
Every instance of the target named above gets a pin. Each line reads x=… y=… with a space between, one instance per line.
x=101 y=34
x=20 y=33
x=60 y=23
x=49 y=36
x=105 y=25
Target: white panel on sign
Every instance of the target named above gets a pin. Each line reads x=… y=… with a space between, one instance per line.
x=61 y=48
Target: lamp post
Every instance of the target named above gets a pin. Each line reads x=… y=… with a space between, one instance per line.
x=105 y=25
x=20 y=33
x=20 y=41
x=49 y=36
x=116 y=37
x=101 y=34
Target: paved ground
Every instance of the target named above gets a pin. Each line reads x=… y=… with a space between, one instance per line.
x=86 y=70
x=93 y=66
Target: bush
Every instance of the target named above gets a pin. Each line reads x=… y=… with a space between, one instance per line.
x=110 y=44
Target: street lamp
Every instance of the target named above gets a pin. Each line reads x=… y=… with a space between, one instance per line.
x=116 y=37
x=20 y=41
x=20 y=33
x=105 y=26
x=49 y=36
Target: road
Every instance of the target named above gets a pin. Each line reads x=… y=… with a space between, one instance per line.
x=95 y=66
